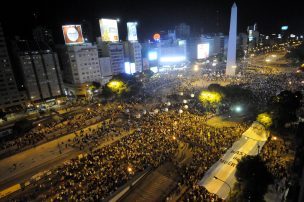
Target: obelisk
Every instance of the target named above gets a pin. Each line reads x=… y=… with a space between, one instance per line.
x=231 y=54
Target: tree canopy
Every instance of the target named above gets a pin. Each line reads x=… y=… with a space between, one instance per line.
x=122 y=85
x=284 y=106
x=253 y=179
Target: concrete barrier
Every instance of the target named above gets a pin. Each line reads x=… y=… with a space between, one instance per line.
x=10 y=190
x=122 y=191
x=120 y=194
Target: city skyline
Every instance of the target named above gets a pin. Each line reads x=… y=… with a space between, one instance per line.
x=206 y=16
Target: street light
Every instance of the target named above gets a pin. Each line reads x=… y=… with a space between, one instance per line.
x=130 y=169
x=238 y=109
x=214 y=177
x=180 y=112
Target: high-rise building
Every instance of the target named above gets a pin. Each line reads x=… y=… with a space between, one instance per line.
x=231 y=55
x=132 y=52
x=204 y=39
x=105 y=67
x=115 y=51
x=242 y=42
x=9 y=94
x=87 y=31
x=80 y=63
x=253 y=36
x=42 y=34
x=219 y=44
x=40 y=69
x=168 y=51
x=182 y=31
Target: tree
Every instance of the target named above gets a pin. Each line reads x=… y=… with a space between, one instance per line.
x=22 y=126
x=122 y=85
x=253 y=179
x=3 y=115
x=284 y=106
x=96 y=84
x=296 y=54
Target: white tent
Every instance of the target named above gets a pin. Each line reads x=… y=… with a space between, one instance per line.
x=220 y=178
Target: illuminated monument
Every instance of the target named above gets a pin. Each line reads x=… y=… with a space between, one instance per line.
x=231 y=55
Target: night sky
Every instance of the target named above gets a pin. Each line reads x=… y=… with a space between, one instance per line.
x=152 y=16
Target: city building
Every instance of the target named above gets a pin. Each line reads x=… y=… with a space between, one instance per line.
x=253 y=36
x=80 y=63
x=40 y=69
x=205 y=39
x=115 y=51
x=219 y=44
x=205 y=46
x=242 y=42
x=105 y=69
x=132 y=53
x=87 y=31
x=231 y=53
x=42 y=34
x=9 y=94
x=167 y=51
x=182 y=31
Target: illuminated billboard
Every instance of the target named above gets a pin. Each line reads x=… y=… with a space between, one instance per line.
x=72 y=34
x=156 y=37
x=152 y=56
x=109 y=30
x=130 y=68
x=284 y=28
x=132 y=32
x=202 y=51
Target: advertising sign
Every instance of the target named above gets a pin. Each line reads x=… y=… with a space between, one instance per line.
x=132 y=32
x=156 y=37
x=109 y=30
x=202 y=51
x=72 y=34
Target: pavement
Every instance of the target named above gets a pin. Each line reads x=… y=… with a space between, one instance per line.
x=155 y=186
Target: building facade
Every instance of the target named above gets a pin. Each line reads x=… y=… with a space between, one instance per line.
x=132 y=52
x=40 y=70
x=115 y=51
x=80 y=63
x=9 y=94
x=182 y=31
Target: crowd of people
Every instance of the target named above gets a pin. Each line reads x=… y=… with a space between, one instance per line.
x=154 y=142
x=101 y=172
x=265 y=86
x=56 y=128
x=276 y=153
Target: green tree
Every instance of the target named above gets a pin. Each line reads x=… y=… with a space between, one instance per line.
x=296 y=55
x=253 y=179
x=22 y=126
x=3 y=115
x=284 y=106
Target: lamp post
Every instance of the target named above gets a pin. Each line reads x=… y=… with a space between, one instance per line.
x=214 y=177
x=180 y=112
